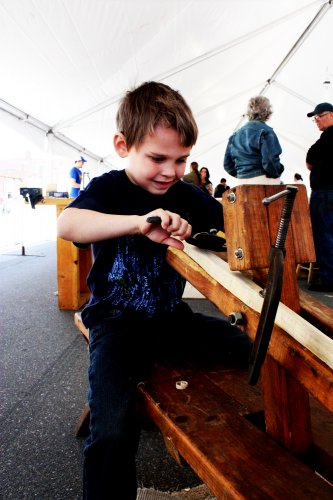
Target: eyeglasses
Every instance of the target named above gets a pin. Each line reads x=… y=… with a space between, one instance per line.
x=317 y=117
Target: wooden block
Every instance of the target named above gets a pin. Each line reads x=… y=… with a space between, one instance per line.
x=247 y=227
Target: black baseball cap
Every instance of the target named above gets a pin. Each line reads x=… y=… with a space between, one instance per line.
x=321 y=108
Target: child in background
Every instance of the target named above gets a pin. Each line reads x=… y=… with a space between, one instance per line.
x=136 y=314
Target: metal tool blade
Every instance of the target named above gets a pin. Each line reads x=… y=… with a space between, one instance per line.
x=267 y=316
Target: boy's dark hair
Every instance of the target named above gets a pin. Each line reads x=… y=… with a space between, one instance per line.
x=151 y=104
x=223 y=180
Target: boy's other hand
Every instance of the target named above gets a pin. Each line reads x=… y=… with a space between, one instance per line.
x=166 y=227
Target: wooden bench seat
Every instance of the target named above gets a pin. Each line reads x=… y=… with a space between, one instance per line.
x=216 y=436
x=216 y=426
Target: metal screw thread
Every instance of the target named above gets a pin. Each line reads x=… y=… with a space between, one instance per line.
x=285 y=220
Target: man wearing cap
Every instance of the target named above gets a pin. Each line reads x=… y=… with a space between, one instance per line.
x=319 y=160
x=75 y=175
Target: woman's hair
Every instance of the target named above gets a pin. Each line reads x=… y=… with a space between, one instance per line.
x=207 y=172
x=259 y=108
x=154 y=104
x=298 y=177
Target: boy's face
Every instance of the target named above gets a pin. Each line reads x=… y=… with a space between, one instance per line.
x=158 y=163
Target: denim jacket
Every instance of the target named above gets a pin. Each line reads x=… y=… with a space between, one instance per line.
x=253 y=150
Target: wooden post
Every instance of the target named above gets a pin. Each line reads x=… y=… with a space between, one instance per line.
x=286 y=403
x=73 y=265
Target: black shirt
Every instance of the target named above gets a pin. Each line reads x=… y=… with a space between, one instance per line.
x=219 y=190
x=320 y=156
x=130 y=272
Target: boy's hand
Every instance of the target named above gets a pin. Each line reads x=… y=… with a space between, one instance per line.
x=166 y=227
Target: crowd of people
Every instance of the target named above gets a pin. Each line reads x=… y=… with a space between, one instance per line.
x=200 y=178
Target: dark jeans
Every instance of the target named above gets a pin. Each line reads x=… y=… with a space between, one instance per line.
x=321 y=210
x=122 y=348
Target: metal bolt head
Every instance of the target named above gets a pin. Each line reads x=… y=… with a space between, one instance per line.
x=231 y=197
x=236 y=318
x=239 y=254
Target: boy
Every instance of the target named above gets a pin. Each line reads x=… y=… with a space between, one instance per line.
x=136 y=314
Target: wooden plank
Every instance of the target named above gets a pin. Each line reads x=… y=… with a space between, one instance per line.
x=233 y=457
x=316 y=313
x=61 y=202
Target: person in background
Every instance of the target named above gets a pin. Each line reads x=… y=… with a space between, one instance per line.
x=206 y=185
x=221 y=188
x=253 y=151
x=136 y=314
x=319 y=160
x=298 y=179
x=75 y=175
x=193 y=177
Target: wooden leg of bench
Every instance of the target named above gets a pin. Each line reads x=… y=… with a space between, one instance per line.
x=82 y=426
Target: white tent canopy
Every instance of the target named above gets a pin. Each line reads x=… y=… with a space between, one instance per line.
x=65 y=63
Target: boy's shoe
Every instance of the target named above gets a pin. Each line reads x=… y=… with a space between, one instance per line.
x=320 y=287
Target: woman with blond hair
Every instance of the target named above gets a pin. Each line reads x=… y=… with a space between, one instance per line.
x=253 y=151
